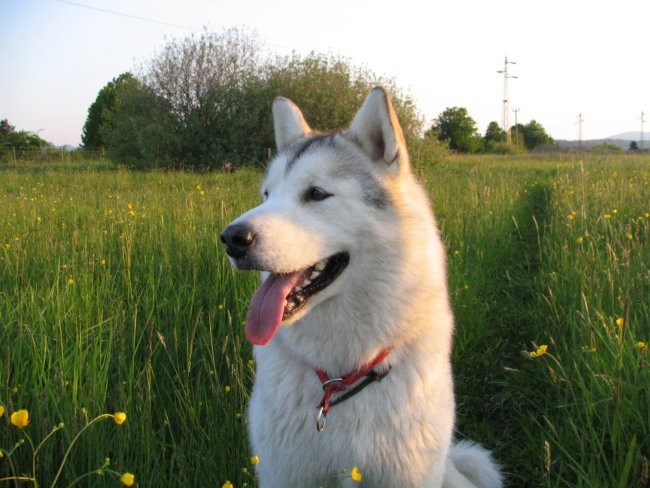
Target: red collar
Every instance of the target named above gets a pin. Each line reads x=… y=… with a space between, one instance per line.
x=344 y=383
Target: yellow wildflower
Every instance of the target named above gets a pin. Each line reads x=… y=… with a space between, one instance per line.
x=355 y=474
x=127 y=479
x=630 y=237
x=70 y=282
x=20 y=418
x=220 y=307
x=641 y=345
x=580 y=240
x=607 y=216
x=2 y=410
x=227 y=388
x=620 y=321
x=541 y=350
x=119 y=418
x=255 y=460
x=227 y=484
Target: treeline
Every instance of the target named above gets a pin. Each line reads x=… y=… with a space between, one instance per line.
x=13 y=141
x=25 y=146
x=458 y=130
x=205 y=101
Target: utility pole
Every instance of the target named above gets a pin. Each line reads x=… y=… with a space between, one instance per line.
x=506 y=101
x=642 y=133
x=516 y=111
x=580 y=121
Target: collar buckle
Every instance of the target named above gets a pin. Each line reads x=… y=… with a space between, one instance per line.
x=344 y=385
x=336 y=383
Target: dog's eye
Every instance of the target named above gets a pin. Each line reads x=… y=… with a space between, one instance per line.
x=316 y=194
x=265 y=195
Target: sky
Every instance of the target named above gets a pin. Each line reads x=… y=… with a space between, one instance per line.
x=572 y=56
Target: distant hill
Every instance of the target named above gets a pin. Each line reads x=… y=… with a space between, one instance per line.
x=622 y=140
x=631 y=136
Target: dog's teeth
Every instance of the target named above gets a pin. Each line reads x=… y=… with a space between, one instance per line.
x=306 y=283
x=320 y=265
x=314 y=275
x=299 y=288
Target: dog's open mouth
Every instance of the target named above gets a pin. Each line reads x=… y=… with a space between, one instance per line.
x=282 y=295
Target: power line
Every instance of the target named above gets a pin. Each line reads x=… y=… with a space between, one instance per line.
x=113 y=12
x=160 y=22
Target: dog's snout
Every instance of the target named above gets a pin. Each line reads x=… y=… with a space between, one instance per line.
x=238 y=239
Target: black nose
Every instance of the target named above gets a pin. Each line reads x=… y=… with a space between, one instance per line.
x=238 y=239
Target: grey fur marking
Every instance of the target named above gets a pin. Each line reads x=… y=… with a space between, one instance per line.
x=373 y=193
x=306 y=145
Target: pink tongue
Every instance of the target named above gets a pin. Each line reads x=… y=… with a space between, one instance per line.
x=267 y=306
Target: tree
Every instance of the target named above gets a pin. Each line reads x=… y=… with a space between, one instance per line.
x=494 y=140
x=140 y=131
x=494 y=133
x=221 y=92
x=6 y=128
x=100 y=113
x=11 y=139
x=534 y=135
x=205 y=80
x=206 y=100
x=329 y=90
x=455 y=127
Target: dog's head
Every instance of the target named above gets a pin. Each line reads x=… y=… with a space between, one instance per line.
x=327 y=199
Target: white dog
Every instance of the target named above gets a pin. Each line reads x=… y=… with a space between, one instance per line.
x=352 y=322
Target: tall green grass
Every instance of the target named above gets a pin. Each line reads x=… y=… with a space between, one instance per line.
x=115 y=295
x=552 y=254
x=593 y=290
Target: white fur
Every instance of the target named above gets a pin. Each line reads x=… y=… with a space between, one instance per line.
x=392 y=294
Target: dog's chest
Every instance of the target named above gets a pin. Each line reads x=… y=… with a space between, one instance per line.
x=381 y=429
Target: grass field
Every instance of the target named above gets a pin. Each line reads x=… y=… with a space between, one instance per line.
x=116 y=296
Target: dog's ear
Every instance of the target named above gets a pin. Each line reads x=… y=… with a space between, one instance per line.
x=376 y=129
x=288 y=123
